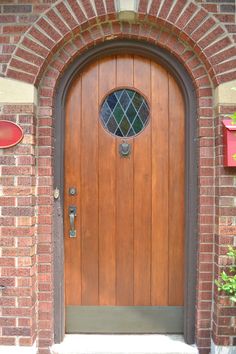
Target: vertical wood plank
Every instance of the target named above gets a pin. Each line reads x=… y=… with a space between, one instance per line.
x=129 y=248
x=89 y=187
x=142 y=194
x=125 y=244
x=159 y=279
x=176 y=194
x=107 y=193
x=72 y=179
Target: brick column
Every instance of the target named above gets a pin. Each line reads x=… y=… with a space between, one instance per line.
x=17 y=231
x=224 y=311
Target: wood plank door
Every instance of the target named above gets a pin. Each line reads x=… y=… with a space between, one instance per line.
x=124 y=269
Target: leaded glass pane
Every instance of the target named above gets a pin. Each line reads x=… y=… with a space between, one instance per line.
x=124 y=113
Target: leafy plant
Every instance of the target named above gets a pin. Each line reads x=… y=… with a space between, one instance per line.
x=233 y=117
x=227 y=283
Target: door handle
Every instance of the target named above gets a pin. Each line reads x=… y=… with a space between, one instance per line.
x=72 y=215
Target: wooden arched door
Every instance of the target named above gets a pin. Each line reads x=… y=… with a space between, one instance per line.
x=124 y=269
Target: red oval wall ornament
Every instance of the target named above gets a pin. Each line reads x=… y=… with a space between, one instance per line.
x=10 y=134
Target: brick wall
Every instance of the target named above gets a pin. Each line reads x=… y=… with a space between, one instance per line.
x=224 y=311
x=201 y=34
x=17 y=232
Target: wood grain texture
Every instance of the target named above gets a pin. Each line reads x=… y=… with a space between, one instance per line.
x=72 y=178
x=142 y=194
x=89 y=186
x=107 y=194
x=125 y=204
x=160 y=191
x=130 y=211
x=176 y=194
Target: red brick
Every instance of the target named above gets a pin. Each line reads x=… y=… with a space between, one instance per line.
x=211 y=37
x=7 y=241
x=165 y=9
x=16 y=170
x=20 y=76
x=58 y=23
x=216 y=47
x=88 y=8
x=226 y=18
x=195 y=21
x=66 y=15
x=39 y=36
x=100 y=7
x=5 y=301
x=175 y=12
x=32 y=58
x=226 y=66
x=20 y=65
x=7 y=322
x=17 y=211
x=51 y=32
x=14 y=29
x=7 y=282
x=203 y=29
x=17 y=8
x=35 y=47
x=154 y=7
x=17 y=331
x=7 y=201
x=77 y=11
x=7 y=341
x=7 y=261
x=184 y=18
x=7 y=19
x=110 y=6
x=143 y=6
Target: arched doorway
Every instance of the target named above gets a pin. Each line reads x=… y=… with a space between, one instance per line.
x=178 y=78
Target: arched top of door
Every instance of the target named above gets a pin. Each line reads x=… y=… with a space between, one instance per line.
x=155 y=53
x=177 y=70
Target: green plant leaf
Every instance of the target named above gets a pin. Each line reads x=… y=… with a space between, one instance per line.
x=227 y=283
x=233 y=117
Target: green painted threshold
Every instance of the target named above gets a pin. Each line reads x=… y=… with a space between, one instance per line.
x=124 y=319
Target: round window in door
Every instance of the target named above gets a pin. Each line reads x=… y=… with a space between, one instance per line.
x=124 y=113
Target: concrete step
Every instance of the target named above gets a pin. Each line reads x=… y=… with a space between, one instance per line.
x=123 y=344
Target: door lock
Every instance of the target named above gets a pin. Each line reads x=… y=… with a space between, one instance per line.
x=72 y=191
x=72 y=215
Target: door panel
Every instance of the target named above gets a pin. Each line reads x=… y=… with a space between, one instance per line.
x=176 y=194
x=107 y=195
x=129 y=244
x=160 y=193
x=142 y=195
x=124 y=203
x=72 y=164
x=88 y=195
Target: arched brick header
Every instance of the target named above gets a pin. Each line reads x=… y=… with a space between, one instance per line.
x=48 y=84
x=163 y=23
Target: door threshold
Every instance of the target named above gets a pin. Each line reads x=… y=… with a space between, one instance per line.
x=123 y=344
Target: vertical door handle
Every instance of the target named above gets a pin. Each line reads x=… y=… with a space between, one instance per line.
x=72 y=215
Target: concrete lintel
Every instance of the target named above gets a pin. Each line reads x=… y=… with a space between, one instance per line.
x=127 y=10
x=225 y=93
x=219 y=349
x=14 y=91
x=127 y=5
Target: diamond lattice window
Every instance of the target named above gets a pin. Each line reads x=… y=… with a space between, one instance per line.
x=124 y=113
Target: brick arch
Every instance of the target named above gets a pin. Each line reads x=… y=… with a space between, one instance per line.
x=54 y=69
x=42 y=59
x=68 y=22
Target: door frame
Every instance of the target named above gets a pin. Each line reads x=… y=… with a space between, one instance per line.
x=168 y=61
